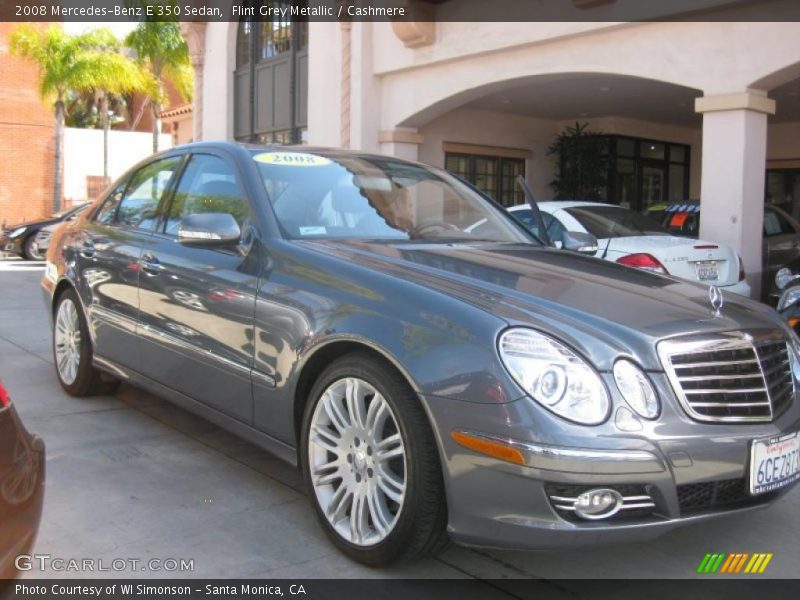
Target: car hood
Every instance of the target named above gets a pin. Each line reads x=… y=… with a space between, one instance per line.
x=38 y=223
x=605 y=310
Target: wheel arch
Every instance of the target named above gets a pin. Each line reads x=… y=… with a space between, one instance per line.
x=323 y=354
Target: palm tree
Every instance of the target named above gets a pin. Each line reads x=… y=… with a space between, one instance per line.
x=162 y=51
x=65 y=64
x=114 y=74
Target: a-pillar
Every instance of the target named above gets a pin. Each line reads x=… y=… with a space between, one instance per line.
x=734 y=163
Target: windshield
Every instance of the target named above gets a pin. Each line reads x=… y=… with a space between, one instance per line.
x=613 y=221
x=371 y=197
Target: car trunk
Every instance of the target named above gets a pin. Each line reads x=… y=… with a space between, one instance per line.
x=694 y=260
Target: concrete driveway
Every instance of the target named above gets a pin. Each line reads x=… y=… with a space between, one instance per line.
x=131 y=476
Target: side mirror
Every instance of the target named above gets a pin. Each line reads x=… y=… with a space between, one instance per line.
x=577 y=241
x=209 y=230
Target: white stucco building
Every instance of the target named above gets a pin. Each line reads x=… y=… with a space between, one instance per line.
x=707 y=110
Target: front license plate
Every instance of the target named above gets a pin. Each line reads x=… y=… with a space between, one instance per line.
x=774 y=463
x=706 y=270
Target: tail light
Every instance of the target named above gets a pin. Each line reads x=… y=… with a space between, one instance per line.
x=645 y=261
x=5 y=400
x=742 y=274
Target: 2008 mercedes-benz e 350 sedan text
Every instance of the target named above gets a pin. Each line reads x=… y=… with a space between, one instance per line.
x=330 y=307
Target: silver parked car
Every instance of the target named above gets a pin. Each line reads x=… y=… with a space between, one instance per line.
x=335 y=308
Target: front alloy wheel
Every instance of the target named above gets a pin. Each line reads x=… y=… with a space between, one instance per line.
x=357 y=460
x=371 y=463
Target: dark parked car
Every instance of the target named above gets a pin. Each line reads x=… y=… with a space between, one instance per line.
x=20 y=239
x=781 y=233
x=21 y=486
x=332 y=307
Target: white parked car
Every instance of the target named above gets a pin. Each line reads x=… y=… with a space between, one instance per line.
x=632 y=239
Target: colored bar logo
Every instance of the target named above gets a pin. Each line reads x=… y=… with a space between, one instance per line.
x=735 y=563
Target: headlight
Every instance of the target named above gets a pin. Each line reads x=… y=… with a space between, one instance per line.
x=17 y=231
x=554 y=376
x=789 y=297
x=636 y=389
x=784 y=277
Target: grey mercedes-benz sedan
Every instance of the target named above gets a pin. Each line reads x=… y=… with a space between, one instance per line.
x=334 y=308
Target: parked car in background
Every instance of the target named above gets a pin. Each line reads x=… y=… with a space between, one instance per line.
x=22 y=470
x=20 y=239
x=45 y=234
x=631 y=239
x=781 y=234
x=334 y=308
x=785 y=294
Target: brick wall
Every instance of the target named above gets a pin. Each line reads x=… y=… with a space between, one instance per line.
x=26 y=140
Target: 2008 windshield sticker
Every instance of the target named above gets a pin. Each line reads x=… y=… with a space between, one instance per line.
x=292 y=159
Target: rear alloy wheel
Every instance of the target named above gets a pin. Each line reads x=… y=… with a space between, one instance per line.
x=371 y=463
x=30 y=249
x=72 y=351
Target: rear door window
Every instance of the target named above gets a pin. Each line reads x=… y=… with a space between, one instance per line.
x=107 y=213
x=139 y=208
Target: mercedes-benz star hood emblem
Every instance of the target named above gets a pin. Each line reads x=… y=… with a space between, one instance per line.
x=715 y=297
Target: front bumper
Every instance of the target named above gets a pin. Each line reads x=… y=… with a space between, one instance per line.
x=690 y=471
x=11 y=245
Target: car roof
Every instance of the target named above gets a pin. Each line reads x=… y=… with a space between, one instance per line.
x=321 y=150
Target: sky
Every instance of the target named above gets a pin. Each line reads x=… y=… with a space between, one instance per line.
x=120 y=29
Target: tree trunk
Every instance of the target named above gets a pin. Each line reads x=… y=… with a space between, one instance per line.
x=106 y=128
x=156 y=107
x=58 y=172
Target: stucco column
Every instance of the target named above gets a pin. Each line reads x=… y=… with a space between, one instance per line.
x=195 y=35
x=732 y=185
x=402 y=143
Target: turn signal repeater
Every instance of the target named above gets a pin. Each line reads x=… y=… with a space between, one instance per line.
x=491 y=448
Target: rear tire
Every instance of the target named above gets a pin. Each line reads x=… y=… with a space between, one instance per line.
x=382 y=463
x=72 y=351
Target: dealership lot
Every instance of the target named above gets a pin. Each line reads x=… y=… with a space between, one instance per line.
x=132 y=477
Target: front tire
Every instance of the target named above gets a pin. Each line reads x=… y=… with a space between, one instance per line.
x=72 y=351
x=371 y=464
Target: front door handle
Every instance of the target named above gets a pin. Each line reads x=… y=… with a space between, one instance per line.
x=150 y=265
x=87 y=249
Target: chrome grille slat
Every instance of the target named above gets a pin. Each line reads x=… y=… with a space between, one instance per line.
x=725 y=391
x=720 y=377
x=749 y=361
x=731 y=377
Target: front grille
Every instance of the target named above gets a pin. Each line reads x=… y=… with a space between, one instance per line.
x=730 y=379
x=728 y=493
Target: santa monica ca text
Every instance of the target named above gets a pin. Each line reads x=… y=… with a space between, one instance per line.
x=141 y=589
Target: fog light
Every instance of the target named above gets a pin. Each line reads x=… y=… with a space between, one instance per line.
x=598 y=504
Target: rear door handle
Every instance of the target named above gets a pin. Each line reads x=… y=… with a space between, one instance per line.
x=87 y=249
x=150 y=264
